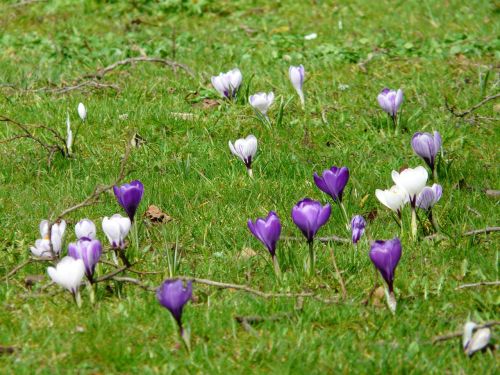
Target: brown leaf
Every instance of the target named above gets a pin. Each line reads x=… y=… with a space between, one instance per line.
x=209 y=103
x=31 y=280
x=7 y=349
x=378 y=296
x=156 y=216
x=247 y=253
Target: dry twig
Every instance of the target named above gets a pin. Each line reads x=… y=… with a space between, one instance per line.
x=453 y=335
x=332 y=238
x=481 y=283
x=471 y=109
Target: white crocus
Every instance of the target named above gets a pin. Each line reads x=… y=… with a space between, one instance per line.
x=261 y=102
x=41 y=248
x=85 y=228
x=57 y=234
x=82 y=111
x=69 y=134
x=116 y=229
x=245 y=149
x=68 y=273
x=297 y=75
x=42 y=245
x=394 y=198
x=228 y=84
x=475 y=341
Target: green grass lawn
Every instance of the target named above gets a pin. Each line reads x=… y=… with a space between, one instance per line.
x=431 y=49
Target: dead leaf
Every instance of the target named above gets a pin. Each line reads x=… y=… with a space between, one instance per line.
x=493 y=193
x=378 y=297
x=156 y=216
x=7 y=349
x=247 y=253
x=31 y=280
x=209 y=103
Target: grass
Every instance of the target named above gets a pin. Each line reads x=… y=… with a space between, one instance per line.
x=432 y=50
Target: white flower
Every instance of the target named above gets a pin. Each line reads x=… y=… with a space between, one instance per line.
x=85 y=228
x=57 y=234
x=228 y=84
x=261 y=101
x=41 y=248
x=116 y=229
x=245 y=149
x=477 y=341
x=69 y=134
x=412 y=180
x=82 y=111
x=68 y=273
x=394 y=198
x=42 y=245
x=297 y=75
x=311 y=36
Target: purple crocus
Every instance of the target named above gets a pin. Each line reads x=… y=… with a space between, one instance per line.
x=358 y=225
x=87 y=250
x=427 y=146
x=385 y=256
x=173 y=295
x=267 y=231
x=129 y=196
x=333 y=182
x=390 y=101
x=429 y=196
x=309 y=215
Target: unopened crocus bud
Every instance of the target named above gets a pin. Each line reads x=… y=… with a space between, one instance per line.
x=309 y=216
x=116 y=229
x=390 y=101
x=333 y=182
x=245 y=149
x=173 y=295
x=261 y=101
x=427 y=146
x=358 y=225
x=89 y=251
x=69 y=134
x=85 y=228
x=297 y=75
x=129 y=196
x=474 y=338
x=267 y=231
x=82 y=111
x=429 y=196
x=385 y=256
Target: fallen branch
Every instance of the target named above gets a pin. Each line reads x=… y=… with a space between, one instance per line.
x=331 y=238
x=24 y=264
x=482 y=231
x=81 y=85
x=481 y=283
x=471 y=109
x=111 y=275
x=135 y=282
x=453 y=335
x=339 y=276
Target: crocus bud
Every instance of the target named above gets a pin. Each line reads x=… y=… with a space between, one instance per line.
x=267 y=231
x=261 y=101
x=82 y=111
x=57 y=234
x=394 y=198
x=41 y=248
x=412 y=180
x=358 y=225
x=427 y=146
x=85 y=228
x=475 y=341
x=309 y=215
x=89 y=251
x=385 y=256
x=429 y=196
x=390 y=101
x=116 y=229
x=68 y=273
x=129 y=196
x=228 y=84
x=333 y=182
x=245 y=149
x=297 y=75
x=173 y=295
x=69 y=134
x=42 y=245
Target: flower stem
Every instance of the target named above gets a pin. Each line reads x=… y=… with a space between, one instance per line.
x=276 y=265
x=186 y=338
x=413 y=223
x=433 y=220
x=339 y=275
x=434 y=174
x=78 y=298
x=311 y=258
x=345 y=214
x=250 y=172
x=391 y=300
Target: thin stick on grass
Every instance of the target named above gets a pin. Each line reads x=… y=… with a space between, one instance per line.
x=339 y=275
x=471 y=109
x=481 y=283
x=332 y=238
x=456 y=334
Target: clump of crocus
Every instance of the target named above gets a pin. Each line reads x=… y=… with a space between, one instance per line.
x=116 y=229
x=245 y=149
x=268 y=232
x=427 y=198
x=309 y=216
x=173 y=295
x=82 y=111
x=475 y=341
x=48 y=247
x=228 y=84
x=394 y=198
x=297 y=75
x=427 y=146
x=411 y=180
x=129 y=196
x=358 y=225
x=261 y=102
x=68 y=273
x=390 y=101
x=89 y=251
x=333 y=182
x=385 y=256
x=85 y=228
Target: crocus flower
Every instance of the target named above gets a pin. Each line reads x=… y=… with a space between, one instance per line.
x=82 y=111
x=267 y=231
x=390 y=101
x=245 y=149
x=116 y=229
x=427 y=146
x=69 y=135
x=475 y=341
x=358 y=225
x=85 y=228
x=42 y=245
x=228 y=84
x=68 y=273
x=394 y=198
x=429 y=196
x=129 y=196
x=333 y=182
x=385 y=256
x=89 y=251
x=173 y=295
x=297 y=74
x=412 y=180
x=309 y=215
x=261 y=102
